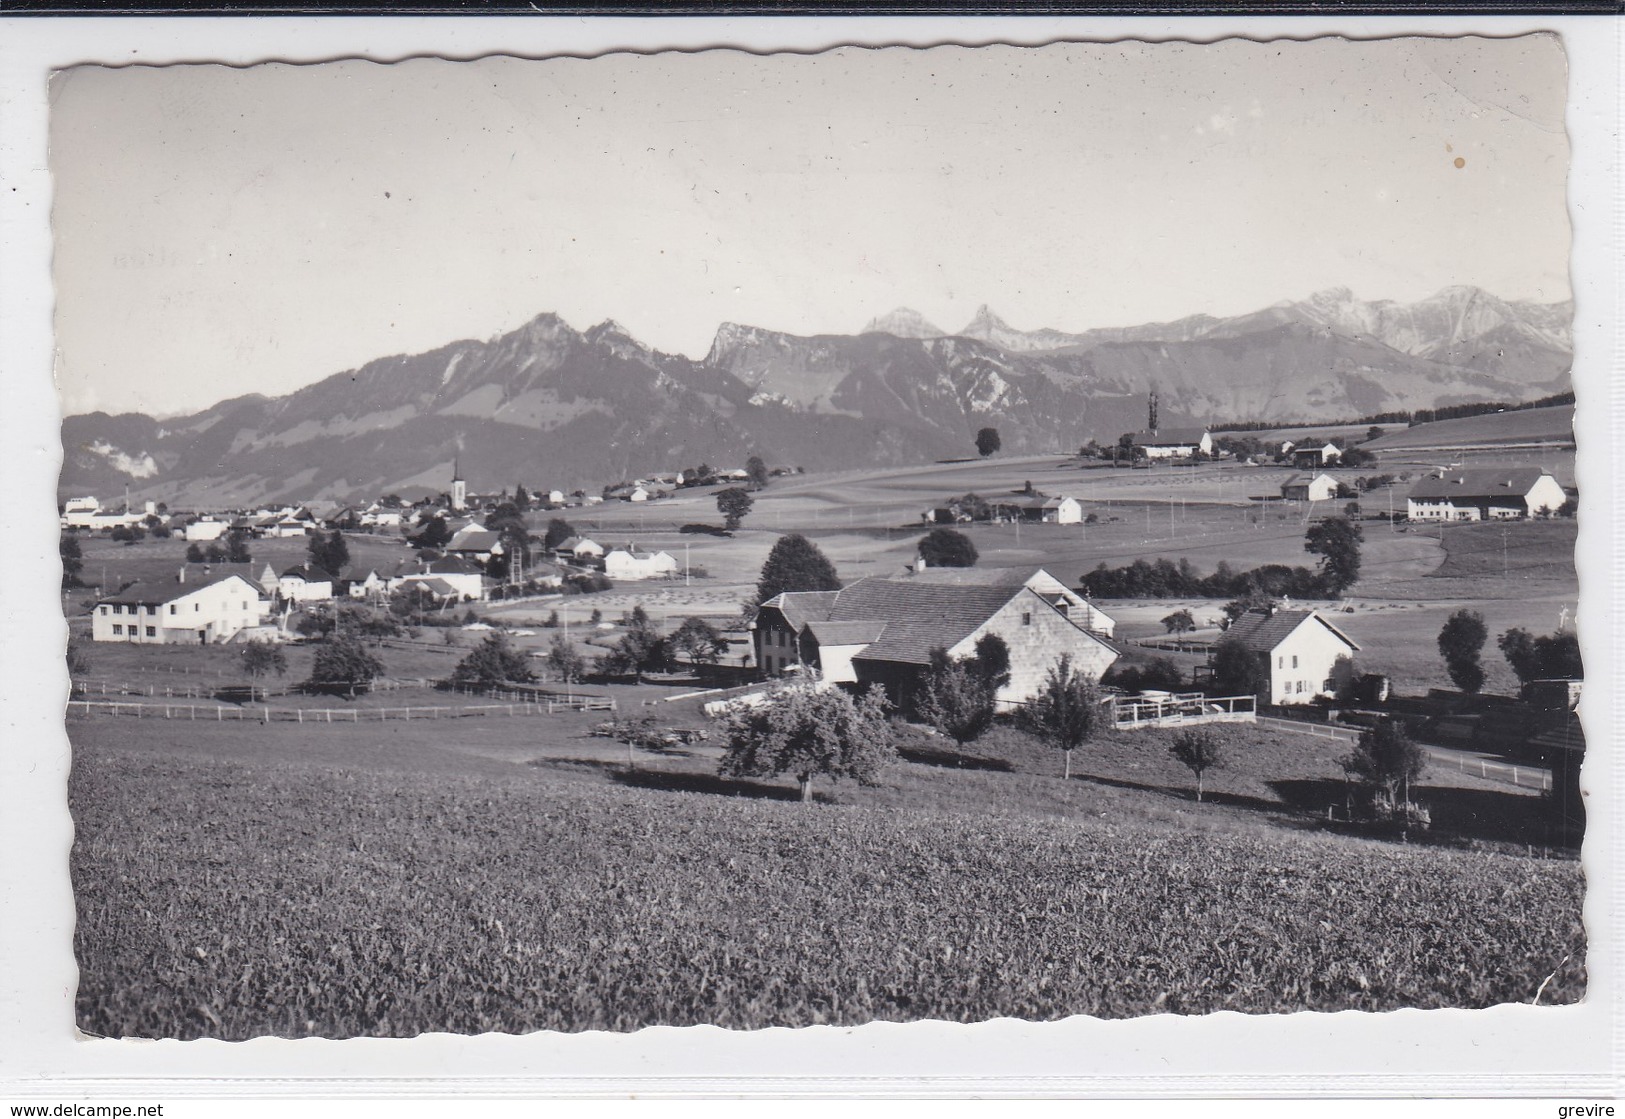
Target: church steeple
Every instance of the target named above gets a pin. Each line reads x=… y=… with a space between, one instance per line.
x=459 y=488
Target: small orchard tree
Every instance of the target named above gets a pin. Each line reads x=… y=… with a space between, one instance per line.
x=795 y=564
x=810 y=733
x=988 y=441
x=734 y=503
x=1460 y=641
x=1387 y=760
x=345 y=663
x=262 y=658
x=1066 y=712
x=943 y=547
x=492 y=663
x=699 y=641
x=956 y=697
x=1336 y=540
x=565 y=661
x=756 y=471
x=1199 y=749
x=1180 y=621
x=641 y=648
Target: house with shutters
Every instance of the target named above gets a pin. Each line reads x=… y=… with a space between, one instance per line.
x=1304 y=655
x=882 y=632
x=182 y=612
x=1484 y=494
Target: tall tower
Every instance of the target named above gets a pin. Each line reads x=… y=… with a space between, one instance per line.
x=1151 y=420
x=459 y=488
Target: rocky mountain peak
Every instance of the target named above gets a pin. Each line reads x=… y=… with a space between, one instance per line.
x=904 y=322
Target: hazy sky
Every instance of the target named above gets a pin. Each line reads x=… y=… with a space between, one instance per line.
x=223 y=231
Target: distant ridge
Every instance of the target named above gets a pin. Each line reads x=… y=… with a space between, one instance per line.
x=546 y=405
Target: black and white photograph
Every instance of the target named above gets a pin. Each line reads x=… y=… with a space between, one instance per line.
x=763 y=540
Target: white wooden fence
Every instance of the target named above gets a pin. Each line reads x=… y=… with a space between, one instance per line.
x=214 y=713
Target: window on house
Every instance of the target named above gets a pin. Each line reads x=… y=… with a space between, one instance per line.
x=171 y=609
x=118 y=631
x=1294 y=661
x=152 y=631
x=1026 y=617
x=196 y=606
x=1280 y=662
x=103 y=611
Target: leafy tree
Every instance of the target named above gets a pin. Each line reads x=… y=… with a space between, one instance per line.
x=435 y=533
x=1337 y=541
x=1155 y=673
x=237 y=546
x=1387 y=759
x=956 y=698
x=1199 y=749
x=795 y=564
x=566 y=661
x=521 y=497
x=988 y=441
x=734 y=504
x=329 y=552
x=699 y=641
x=73 y=559
x=1066 y=712
x=810 y=733
x=641 y=648
x=1180 y=621
x=194 y=552
x=1373 y=432
x=214 y=553
x=509 y=522
x=756 y=471
x=558 y=531
x=1542 y=658
x=595 y=617
x=491 y=663
x=78 y=659
x=943 y=547
x=345 y=662
x=1460 y=640
x=262 y=658
x=1237 y=670
x=992 y=659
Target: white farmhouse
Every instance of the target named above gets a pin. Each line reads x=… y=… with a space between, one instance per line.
x=1305 y=655
x=631 y=564
x=1309 y=487
x=1487 y=493
x=206 y=530
x=1172 y=442
x=179 y=613
x=1072 y=605
x=305 y=584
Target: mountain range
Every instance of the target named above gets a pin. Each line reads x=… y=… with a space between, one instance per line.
x=550 y=406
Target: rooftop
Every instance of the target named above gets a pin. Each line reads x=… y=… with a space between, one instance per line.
x=1260 y=631
x=1483 y=482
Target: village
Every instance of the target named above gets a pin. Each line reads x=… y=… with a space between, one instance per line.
x=1135 y=576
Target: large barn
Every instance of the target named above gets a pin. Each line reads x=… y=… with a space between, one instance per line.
x=1486 y=493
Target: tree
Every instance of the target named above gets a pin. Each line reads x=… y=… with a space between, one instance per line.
x=237 y=546
x=1460 y=640
x=491 y=663
x=194 y=553
x=699 y=641
x=566 y=661
x=521 y=497
x=509 y=522
x=943 y=547
x=1180 y=621
x=214 y=553
x=1237 y=670
x=756 y=471
x=1337 y=541
x=345 y=662
x=329 y=552
x=435 y=533
x=1373 y=432
x=558 y=531
x=1542 y=658
x=1199 y=749
x=810 y=733
x=956 y=698
x=992 y=659
x=641 y=648
x=1066 y=712
x=73 y=559
x=1386 y=759
x=78 y=659
x=795 y=564
x=734 y=504
x=987 y=441
x=262 y=658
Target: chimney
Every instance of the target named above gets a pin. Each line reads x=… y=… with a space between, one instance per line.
x=919 y=563
x=181 y=578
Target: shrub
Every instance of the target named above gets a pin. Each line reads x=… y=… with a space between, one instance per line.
x=492 y=663
x=943 y=547
x=1199 y=749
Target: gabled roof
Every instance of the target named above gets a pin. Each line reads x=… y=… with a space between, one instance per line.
x=437 y=586
x=977 y=576
x=846 y=633
x=1306 y=479
x=158 y=593
x=802 y=607
x=1484 y=482
x=473 y=540
x=308 y=574
x=452 y=565
x=1260 y=631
